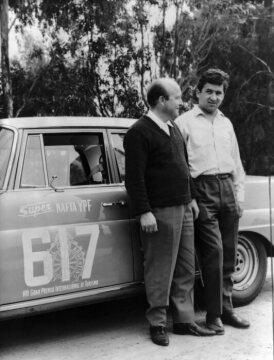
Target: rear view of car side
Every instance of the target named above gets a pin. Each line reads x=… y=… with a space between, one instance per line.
x=65 y=234
x=68 y=235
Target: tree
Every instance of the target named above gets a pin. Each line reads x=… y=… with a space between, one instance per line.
x=5 y=69
x=237 y=37
x=99 y=57
x=97 y=53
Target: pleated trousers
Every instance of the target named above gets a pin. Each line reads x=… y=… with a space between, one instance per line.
x=216 y=236
x=169 y=267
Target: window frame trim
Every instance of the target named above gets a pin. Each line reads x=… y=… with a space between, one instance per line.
x=41 y=132
x=22 y=161
x=11 y=158
x=110 y=132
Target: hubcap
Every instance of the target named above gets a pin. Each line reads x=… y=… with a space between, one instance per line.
x=247 y=264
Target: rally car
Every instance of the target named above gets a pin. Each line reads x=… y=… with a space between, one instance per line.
x=67 y=231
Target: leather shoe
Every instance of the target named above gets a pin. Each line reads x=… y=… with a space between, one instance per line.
x=159 y=335
x=191 y=329
x=231 y=318
x=214 y=322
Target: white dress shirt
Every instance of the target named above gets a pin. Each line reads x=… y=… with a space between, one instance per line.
x=212 y=146
x=163 y=125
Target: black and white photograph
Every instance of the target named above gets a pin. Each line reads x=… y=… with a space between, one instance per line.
x=136 y=179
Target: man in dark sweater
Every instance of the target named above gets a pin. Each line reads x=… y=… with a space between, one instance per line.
x=160 y=187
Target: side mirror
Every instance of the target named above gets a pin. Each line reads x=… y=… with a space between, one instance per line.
x=51 y=183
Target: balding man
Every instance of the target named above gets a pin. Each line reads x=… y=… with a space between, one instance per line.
x=160 y=187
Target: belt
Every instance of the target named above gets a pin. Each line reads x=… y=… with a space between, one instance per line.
x=214 y=177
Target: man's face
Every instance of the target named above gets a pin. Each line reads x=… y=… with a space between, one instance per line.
x=210 y=97
x=173 y=103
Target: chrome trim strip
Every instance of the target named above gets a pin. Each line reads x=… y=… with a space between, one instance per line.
x=252 y=227
x=65 y=297
x=67 y=122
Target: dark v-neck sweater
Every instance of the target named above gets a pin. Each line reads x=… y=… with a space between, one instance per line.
x=157 y=173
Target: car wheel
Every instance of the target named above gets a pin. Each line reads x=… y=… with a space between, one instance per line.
x=250 y=270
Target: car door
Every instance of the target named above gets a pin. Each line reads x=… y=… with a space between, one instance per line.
x=116 y=138
x=64 y=225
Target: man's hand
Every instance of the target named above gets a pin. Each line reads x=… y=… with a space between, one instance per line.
x=148 y=222
x=195 y=209
x=240 y=208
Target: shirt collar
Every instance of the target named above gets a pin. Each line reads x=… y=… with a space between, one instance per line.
x=198 y=111
x=158 y=121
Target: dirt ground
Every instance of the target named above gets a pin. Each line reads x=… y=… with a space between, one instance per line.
x=118 y=330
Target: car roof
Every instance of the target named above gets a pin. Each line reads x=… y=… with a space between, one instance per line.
x=66 y=122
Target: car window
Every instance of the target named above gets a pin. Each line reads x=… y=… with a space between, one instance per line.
x=33 y=171
x=6 y=140
x=70 y=159
x=76 y=159
x=117 y=141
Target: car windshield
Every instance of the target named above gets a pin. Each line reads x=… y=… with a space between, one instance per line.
x=6 y=139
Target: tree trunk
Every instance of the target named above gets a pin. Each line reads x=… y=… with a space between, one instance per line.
x=176 y=40
x=162 y=68
x=6 y=80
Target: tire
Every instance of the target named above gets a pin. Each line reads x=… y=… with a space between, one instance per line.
x=250 y=269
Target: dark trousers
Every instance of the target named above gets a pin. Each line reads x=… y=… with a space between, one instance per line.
x=216 y=234
x=169 y=266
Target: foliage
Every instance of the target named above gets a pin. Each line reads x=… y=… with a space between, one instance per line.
x=97 y=56
x=91 y=63
x=235 y=36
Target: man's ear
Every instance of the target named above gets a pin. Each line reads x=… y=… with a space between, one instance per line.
x=162 y=100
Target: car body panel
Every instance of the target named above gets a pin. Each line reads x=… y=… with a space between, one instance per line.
x=259 y=194
x=75 y=244
x=64 y=245
x=66 y=242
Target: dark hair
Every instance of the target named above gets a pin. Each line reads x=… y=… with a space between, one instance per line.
x=215 y=77
x=155 y=90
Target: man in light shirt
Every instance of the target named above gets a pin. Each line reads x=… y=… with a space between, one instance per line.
x=218 y=174
x=159 y=184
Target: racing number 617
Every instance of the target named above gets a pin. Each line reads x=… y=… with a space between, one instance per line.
x=45 y=258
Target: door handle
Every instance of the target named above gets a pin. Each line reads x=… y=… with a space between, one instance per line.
x=116 y=203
